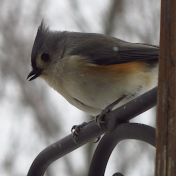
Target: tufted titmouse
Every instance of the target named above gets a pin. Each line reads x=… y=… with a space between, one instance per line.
x=93 y=71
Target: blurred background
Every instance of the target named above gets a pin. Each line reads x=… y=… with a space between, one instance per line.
x=32 y=115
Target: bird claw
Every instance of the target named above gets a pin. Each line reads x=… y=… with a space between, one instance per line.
x=76 y=129
x=99 y=118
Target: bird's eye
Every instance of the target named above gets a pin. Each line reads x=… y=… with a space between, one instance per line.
x=45 y=57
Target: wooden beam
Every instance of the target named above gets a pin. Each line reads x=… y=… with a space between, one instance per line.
x=166 y=116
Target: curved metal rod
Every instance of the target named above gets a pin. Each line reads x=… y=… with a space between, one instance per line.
x=111 y=139
x=63 y=147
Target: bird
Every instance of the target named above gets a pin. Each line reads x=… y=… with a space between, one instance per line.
x=94 y=72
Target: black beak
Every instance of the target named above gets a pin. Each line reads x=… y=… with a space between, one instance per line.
x=36 y=72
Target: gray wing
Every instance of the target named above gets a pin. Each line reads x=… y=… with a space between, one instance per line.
x=105 y=50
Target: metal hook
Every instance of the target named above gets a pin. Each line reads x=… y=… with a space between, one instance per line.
x=111 y=139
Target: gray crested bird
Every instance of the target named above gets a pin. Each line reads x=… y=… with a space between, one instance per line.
x=93 y=72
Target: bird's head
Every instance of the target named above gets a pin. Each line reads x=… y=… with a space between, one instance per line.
x=48 y=50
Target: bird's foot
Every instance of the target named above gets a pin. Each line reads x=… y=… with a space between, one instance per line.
x=100 y=118
x=76 y=129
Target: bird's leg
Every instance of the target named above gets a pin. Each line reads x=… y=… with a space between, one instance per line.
x=99 y=118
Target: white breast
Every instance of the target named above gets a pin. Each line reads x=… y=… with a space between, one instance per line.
x=91 y=93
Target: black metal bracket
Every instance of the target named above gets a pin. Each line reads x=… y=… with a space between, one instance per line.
x=91 y=131
x=111 y=139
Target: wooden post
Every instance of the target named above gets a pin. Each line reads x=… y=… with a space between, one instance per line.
x=166 y=117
